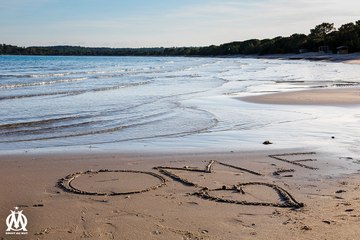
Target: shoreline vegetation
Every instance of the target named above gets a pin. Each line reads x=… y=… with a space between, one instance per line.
x=324 y=38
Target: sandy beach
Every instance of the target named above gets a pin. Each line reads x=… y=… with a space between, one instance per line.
x=179 y=120
x=338 y=96
x=277 y=192
x=294 y=193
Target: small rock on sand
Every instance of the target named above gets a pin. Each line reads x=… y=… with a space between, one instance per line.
x=305 y=228
x=267 y=142
x=340 y=191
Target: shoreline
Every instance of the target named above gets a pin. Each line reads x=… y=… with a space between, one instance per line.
x=272 y=193
x=173 y=211
x=325 y=97
x=351 y=58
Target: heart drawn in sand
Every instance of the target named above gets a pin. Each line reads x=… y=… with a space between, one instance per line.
x=238 y=195
x=251 y=193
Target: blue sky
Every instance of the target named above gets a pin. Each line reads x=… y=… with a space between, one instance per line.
x=150 y=23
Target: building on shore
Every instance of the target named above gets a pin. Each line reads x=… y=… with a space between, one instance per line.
x=342 y=50
x=324 y=49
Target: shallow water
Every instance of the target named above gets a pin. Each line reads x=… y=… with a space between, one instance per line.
x=167 y=103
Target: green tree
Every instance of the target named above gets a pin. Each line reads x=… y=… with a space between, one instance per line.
x=320 y=31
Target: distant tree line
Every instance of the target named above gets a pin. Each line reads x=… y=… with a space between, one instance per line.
x=324 y=34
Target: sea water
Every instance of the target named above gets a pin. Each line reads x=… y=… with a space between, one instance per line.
x=169 y=104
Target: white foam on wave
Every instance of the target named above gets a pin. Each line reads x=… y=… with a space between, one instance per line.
x=32 y=84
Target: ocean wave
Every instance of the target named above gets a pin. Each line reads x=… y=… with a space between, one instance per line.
x=61 y=74
x=55 y=124
x=47 y=75
x=181 y=76
x=31 y=84
x=78 y=134
x=29 y=75
x=37 y=122
x=61 y=128
x=74 y=92
x=345 y=84
x=117 y=128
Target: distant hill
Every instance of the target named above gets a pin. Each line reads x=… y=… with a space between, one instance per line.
x=324 y=36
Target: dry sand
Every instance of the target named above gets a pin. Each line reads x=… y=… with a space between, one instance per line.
x=338 y=96
x=331 y=204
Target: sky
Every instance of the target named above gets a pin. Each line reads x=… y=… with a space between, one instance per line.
x=167 y=23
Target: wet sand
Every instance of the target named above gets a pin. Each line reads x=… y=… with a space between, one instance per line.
x=354 y=61
x=287 y=194
x=334 y=97
x=352 y=58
